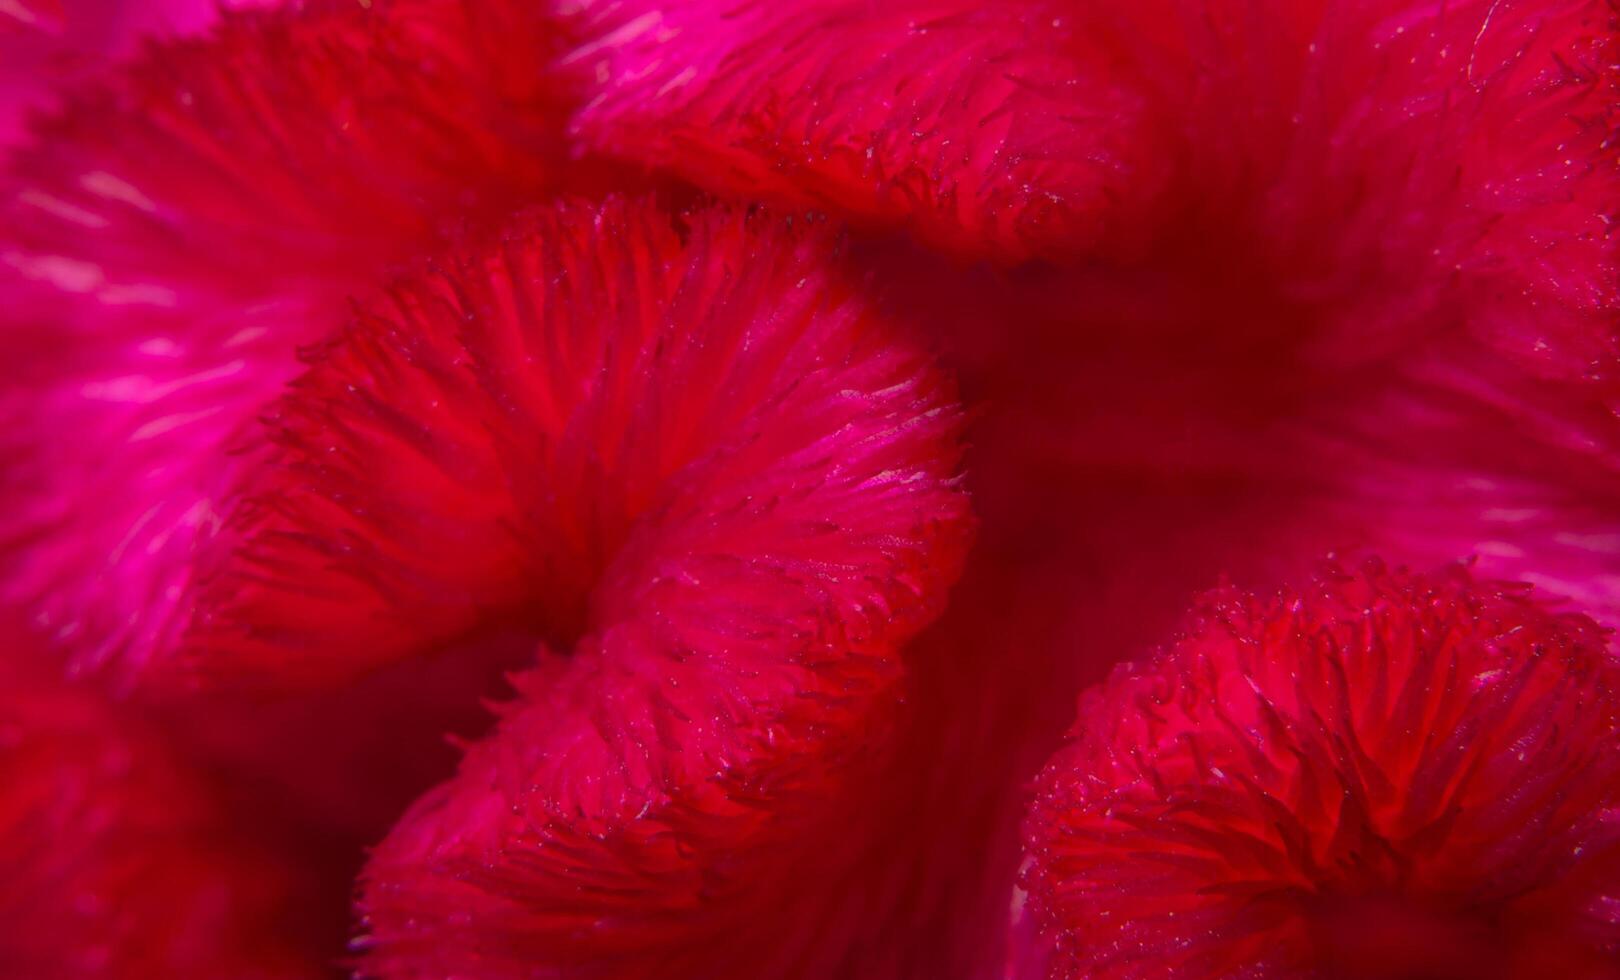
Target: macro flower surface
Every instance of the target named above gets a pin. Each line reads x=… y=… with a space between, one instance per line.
x=1387 y=775
x=622 y=488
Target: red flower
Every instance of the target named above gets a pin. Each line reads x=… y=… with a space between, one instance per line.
x=733 y=496
x=1386 y=775
x=182 y=229
x=360 y=352
x=1354 y=254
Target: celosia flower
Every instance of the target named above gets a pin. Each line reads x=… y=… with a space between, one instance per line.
x=363 y=350
x=1360 y=251
x=1384 y=775
x=739 y=494
x=184 y=228
x=1385 y=231
x=733 y=496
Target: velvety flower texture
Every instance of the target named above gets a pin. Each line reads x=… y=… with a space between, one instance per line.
x=188 y=225
x=1386 y=775
x=629 y=366
x=733 y=496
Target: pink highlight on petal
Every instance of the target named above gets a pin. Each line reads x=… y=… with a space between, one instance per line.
x=998 y=130
x=48 y=44
x=178 y=231
x=37 y=14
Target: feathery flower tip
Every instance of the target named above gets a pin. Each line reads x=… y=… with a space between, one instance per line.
x=182 y=226
x=1386 y=775
x=697 y=454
